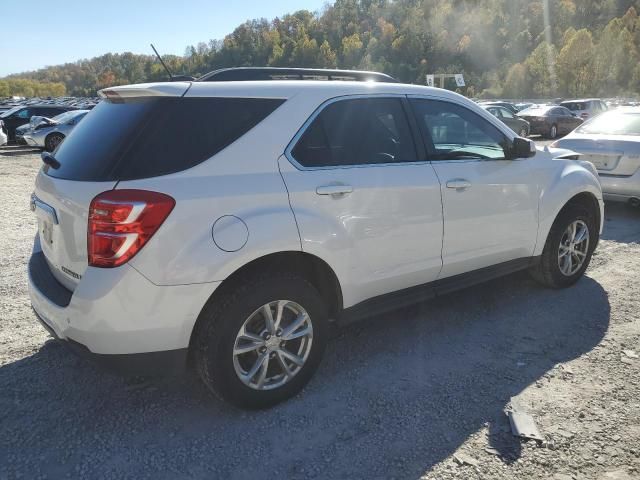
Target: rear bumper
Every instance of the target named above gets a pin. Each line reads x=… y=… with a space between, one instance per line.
x=145 y=364
x=117 y=316
x=620 y=189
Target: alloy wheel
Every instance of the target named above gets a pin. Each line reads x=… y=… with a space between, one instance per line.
x=272 y=345
x=573 y=249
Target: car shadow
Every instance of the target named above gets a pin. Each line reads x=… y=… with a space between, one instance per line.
x=395 y=395
x=621 y=223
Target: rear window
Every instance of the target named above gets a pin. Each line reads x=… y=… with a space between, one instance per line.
x=613 y=123
x=148 y=137
x=575 y=106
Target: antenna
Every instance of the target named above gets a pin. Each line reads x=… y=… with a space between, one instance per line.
x=162 y=62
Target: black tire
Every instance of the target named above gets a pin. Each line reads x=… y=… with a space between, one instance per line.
x=553 y=131
x=547 y=270
x=523 y=133
x=221 y=320
x=52 y=141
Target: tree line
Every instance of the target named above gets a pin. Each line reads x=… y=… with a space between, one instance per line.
x=504 y=48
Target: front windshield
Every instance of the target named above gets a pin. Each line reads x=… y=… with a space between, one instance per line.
x=9 y=112
x=613 y=123
x=64 y=117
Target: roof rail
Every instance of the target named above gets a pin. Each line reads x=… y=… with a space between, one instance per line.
x=243 y=74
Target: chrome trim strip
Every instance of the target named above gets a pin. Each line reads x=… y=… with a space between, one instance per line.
x=48 y=210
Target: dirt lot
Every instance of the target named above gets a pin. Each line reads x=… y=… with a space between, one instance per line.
x=419 y=393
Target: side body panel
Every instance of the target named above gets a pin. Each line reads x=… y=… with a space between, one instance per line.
x=385 y=235
x=494 y=220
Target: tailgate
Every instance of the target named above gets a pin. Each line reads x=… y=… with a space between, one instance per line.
x=62 y=208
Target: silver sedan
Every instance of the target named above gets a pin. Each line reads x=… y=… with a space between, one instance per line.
x=50 y=133
x=611 y=141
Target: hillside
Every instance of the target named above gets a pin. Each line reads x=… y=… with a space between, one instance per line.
x=503 y=47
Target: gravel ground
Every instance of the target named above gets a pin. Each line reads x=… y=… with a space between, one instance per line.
x=419 y=393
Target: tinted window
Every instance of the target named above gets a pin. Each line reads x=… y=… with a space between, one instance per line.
x=357 y=132
x=26 y=113
x=452 y=132
x=154 y=136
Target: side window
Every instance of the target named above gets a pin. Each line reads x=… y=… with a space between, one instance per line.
x=357 y=132
x=506 y=113
x=556 y=111
x=455 y=132
x=26 y=113
x=494 y=111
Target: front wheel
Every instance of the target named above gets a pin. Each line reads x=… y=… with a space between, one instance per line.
x=260 y=344
x=523 y=132
x=553 y=131
x=568 y=249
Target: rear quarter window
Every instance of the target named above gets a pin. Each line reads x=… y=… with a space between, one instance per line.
x=143 y=138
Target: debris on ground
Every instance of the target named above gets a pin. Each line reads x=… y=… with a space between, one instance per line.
x=522 y=424
x=464 y=459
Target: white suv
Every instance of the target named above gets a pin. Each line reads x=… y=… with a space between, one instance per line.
x=225 y=224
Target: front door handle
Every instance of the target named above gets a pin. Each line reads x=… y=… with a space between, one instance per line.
x=335 y=190
x=459 y=184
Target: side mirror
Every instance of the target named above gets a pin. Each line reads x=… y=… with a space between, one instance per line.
x=521 y=148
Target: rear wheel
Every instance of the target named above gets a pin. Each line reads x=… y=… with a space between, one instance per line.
x=52 y=141
x=262 y=343
x=568 y=249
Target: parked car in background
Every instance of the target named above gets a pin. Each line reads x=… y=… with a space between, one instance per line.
x=18 y=116
x=508 y=105
x=550 y=120
x=50 y=133
x=522 y=106
x=223 y=222
x=515 y=123
x=611 y=142
x=585 y=108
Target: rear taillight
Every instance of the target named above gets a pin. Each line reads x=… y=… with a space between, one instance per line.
x=584 y=115
x=121 y=222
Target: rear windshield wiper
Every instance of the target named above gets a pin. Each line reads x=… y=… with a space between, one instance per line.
x=50 y=160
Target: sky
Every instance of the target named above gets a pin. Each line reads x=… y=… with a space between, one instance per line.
x=49 y=33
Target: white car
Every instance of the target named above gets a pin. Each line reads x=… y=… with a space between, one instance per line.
x=611 y=142
x=274 y=207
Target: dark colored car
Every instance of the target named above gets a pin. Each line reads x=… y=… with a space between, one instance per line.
x=12 y=119
x=550 y=120
x=515 y=123
x=508 y=105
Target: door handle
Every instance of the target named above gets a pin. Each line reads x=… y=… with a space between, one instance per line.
x=335 y=190
x=459 y=184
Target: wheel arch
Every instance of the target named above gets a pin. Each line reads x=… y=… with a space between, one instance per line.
x=313 y=268
x=586 y=199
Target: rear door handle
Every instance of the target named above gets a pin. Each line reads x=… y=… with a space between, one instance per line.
x=459 y=184
x=334 y=189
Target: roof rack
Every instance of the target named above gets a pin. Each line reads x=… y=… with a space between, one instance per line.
x=243 y=74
